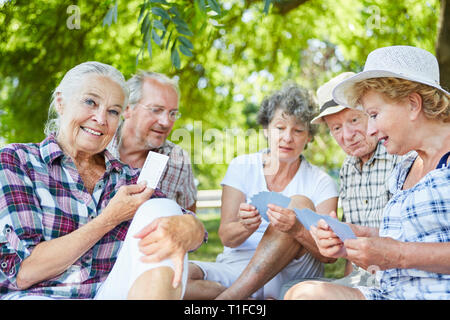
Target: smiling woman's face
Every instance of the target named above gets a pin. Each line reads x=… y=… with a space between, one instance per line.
x=89 y=117
x=388 y=122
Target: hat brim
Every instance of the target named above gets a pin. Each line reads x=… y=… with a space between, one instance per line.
x=327 y=112
x=343 y=89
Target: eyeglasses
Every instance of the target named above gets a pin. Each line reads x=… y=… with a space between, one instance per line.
x=159 y=111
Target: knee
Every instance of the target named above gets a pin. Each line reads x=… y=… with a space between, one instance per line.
x=308 y=290
x=195 y=272
x=158 y=207
x=155 y=284
x=300 y=202
x=160 y=275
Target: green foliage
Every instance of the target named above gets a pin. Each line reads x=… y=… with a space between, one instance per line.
x=228 y=55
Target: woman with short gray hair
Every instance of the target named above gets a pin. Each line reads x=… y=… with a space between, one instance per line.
x=294 y=101
x=256 y=251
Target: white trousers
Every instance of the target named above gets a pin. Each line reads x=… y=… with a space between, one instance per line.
x=128 y=266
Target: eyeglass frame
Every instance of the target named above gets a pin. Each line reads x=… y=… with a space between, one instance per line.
x=152 y=107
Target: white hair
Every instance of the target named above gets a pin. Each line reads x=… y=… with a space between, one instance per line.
x=72 y=81
x=135 y=84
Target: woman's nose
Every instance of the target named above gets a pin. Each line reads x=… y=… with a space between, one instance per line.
x=100 y=116
x=371 y=128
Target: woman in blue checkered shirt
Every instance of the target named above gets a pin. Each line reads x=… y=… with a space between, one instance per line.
x=408 y=111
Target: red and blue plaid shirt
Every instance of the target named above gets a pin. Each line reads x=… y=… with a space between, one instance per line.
x=42 y=197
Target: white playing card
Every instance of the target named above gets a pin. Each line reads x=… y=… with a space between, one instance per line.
x=153 y=168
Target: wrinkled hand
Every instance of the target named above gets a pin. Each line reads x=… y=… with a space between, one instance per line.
x=126 y=201
x=283 y=219
x=249 y=217
x=382 y=252
x=170 y=238
x=328 y=243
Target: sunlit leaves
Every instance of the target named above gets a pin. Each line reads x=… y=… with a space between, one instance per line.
x=111 y=15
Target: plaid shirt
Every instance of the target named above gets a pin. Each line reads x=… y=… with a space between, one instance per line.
x=364 y=190
x=418 y=214
x=42 y=198
x=177 y=180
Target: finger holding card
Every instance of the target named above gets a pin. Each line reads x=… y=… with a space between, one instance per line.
x=249 y=216
x=327 y=241
x=283 y=219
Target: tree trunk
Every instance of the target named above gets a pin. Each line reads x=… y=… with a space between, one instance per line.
x=443 y=44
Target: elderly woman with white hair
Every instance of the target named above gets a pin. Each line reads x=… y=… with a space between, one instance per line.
x=66 y=206
x=408 y=111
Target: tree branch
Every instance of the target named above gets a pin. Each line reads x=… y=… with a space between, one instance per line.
x=282 y=7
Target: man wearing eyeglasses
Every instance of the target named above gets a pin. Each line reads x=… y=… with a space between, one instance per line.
x=148 y=120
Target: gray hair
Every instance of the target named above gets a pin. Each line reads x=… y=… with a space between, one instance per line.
x=293 y=100
x=72 y=81
x=135 y=84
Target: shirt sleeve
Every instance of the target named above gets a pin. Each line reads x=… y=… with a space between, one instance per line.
x=326 y=189
x=20 y=217
x=236 y=174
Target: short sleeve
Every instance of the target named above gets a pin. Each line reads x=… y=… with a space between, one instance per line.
x=237 y=174
x=326 y=189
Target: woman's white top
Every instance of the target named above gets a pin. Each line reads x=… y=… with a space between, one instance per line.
x=245 y=173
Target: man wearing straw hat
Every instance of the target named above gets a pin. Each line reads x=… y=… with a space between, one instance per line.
x=363 y=176
x=363 y=189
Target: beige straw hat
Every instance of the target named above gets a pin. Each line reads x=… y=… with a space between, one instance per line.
x=404 y=62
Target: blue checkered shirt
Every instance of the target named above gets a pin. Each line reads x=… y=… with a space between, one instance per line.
x=418 y=214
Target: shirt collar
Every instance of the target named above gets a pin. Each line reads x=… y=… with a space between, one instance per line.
x=379 y=153
x=51 y=151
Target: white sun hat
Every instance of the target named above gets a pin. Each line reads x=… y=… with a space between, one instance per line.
x=405 y=62
x=327 y=105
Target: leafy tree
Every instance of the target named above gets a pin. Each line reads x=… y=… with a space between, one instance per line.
x=228 y=54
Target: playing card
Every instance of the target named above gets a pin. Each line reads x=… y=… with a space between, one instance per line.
x=262 y=199
x=308 y=218
x=153 y=168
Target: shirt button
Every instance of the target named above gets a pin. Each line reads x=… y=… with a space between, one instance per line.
x=8 y=230
x=3 y=265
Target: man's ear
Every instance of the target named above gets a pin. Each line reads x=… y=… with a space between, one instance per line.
x=127 y=112
x=415 y=104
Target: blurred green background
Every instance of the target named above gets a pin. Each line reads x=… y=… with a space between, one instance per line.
x=236 y=52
